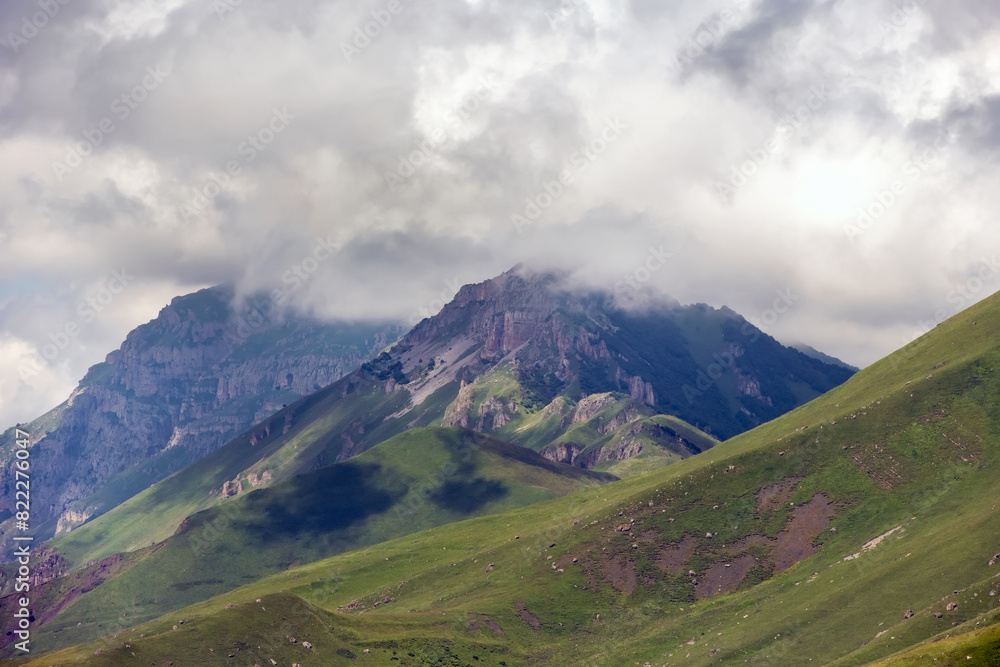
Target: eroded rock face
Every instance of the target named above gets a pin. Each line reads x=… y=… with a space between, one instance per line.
x=179 y=387
x=495 y=413
x=460 y=411
x=638 y=388
x=591 y=405
x=631 y=436
x=69 y=520
x=49 y=564
x=562 y=453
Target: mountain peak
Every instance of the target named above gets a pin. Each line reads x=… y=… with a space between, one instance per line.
x=706 y=365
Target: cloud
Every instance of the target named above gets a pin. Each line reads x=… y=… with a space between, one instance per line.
x=439 y=142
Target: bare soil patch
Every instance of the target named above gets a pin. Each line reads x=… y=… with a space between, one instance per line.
x=750 y=541
x=672 y=558
x=620 y=573
x=773 y=497
x=722 y=578
x=795 y=542
x=527 y=616
x=493 y=625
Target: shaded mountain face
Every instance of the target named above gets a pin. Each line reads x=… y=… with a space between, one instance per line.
x=179 y=387
x=709 y=367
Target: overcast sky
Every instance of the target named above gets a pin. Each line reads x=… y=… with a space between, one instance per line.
x=370 y=157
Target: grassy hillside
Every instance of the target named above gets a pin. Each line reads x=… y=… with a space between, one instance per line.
x=422 y=478
x=973 y=646
x=849 y=530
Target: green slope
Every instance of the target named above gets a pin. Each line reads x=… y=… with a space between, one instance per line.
x=906 y=451
x=974 y=647
x=422 y=478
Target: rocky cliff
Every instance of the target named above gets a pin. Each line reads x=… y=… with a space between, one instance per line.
x=178 y=388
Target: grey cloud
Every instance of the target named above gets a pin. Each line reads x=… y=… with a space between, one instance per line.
x=745 y=53
x=976 y=123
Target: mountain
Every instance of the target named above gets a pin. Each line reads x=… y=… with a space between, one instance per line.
x=178 y=388
x=852 y=530
x=811 y=351
x=520 y=357
x=709 y=367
